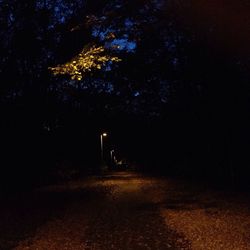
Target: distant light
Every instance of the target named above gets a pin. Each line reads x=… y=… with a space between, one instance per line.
x=104 y=134
x=136 y=93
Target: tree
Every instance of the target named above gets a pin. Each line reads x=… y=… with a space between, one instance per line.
x=86 y=61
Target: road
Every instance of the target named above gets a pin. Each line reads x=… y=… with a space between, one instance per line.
x=115 y=211
x=121 y=210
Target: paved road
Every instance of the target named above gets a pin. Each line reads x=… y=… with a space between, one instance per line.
x=115 y=211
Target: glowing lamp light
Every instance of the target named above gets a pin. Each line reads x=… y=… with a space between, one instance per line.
x=101 y=137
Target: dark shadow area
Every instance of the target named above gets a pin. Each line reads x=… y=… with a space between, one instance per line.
x=23 y=214
x=188 y=202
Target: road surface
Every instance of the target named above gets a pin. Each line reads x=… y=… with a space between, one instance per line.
x=121 y=211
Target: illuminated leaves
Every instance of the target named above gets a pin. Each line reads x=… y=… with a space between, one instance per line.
x=90 y=59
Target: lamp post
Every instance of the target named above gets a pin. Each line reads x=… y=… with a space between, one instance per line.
x=111 y=156
x=102 y=135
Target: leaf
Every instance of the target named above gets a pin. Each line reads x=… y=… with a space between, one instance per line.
x=87 y=60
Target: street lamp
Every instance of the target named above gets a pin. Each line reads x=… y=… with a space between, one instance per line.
x=102 y=135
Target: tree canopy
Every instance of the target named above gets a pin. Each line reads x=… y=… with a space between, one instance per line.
x=181 y=67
